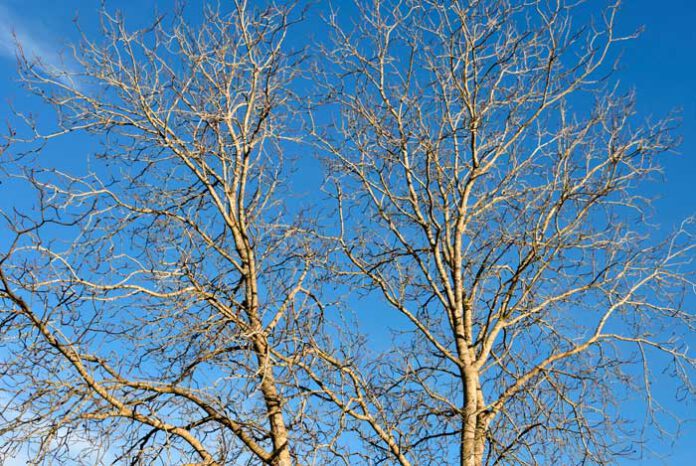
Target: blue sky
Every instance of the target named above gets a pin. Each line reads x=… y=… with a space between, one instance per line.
x=660 y=65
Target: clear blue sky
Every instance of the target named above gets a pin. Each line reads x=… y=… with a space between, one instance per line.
x=660 y=65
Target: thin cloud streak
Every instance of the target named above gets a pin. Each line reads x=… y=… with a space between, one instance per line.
x=37 y=47
x=14 y=32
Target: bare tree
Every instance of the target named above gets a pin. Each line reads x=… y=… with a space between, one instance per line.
x=487 y=175
x=164 y=303
x=153 y=305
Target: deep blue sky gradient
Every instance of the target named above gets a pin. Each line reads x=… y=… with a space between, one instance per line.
x=660 y=65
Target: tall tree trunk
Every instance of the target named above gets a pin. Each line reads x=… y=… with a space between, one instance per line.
x=469 y=448
x=279 y=433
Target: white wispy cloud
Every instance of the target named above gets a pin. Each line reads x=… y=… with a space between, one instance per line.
x=39 y=43
x=17 y=31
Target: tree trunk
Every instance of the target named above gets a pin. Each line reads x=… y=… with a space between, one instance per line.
x=279 y=434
